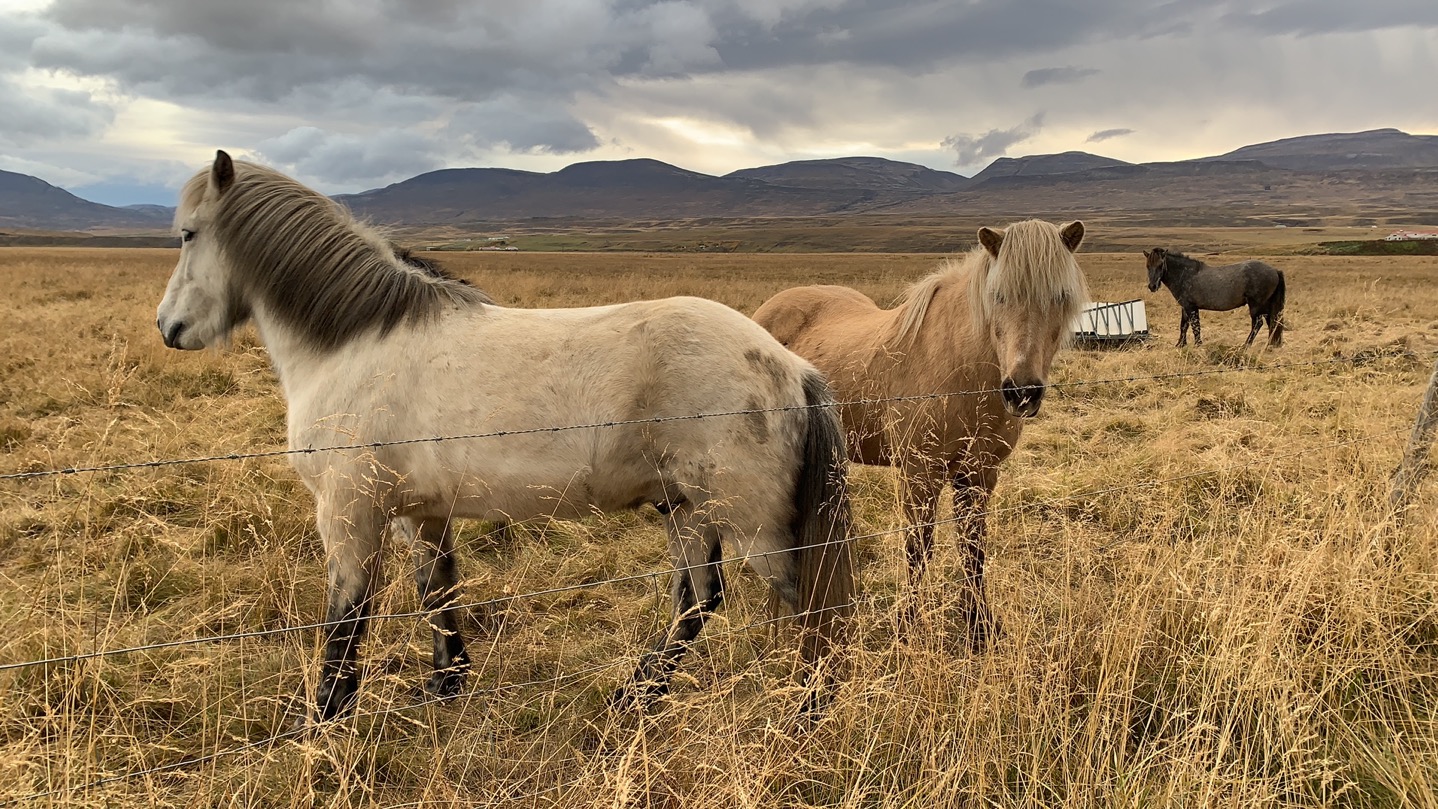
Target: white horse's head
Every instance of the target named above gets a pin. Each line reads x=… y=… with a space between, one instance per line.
x=1028 y=298
x=201 y=304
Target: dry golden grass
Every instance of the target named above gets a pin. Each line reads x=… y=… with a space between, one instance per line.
x=1239 y=623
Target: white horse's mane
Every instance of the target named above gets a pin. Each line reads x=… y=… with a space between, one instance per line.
x=325 y=274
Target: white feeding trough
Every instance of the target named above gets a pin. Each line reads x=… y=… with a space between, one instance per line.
x=1111 y=323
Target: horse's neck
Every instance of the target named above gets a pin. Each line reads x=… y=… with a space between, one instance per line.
x=949 y=338
x=293 y=359
x=1178 y=274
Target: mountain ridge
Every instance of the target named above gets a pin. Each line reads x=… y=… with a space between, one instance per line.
x=647 y=189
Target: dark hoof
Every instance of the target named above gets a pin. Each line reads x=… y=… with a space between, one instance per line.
x=303 y=716
x=638 y=696
x=817 y=698
x=336 y=698
x=446 y=684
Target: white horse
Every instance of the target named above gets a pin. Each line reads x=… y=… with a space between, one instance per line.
x=369 y=349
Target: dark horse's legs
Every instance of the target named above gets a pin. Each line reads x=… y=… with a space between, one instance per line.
x=1256 y=315
x=697 y=590
x=434 y=574
x=1185 y=317
x=352 y=541
x=971 y=500
x=1197 y=334
x=971 y=494
x=920 y=494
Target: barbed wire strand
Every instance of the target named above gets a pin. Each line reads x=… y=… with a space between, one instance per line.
x=507 y=599
x=278 y=453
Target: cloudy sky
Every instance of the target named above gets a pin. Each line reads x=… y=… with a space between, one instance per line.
x=120 y=100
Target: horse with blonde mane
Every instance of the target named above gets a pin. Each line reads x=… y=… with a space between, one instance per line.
x=973 y=344
x=377 y=357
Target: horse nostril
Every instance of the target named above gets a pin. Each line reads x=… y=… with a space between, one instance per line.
x=172 y=337
x=1023 y=400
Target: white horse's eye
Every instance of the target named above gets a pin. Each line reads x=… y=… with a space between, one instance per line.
x=187 y=235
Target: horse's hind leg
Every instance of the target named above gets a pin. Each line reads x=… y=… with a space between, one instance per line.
x=971 y=500
x=696 y=591
x=1257 y=318
x=352 y=539
x=432 y=550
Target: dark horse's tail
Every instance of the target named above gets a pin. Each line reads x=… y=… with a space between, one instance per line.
x=823 y=556
x=1275 y=312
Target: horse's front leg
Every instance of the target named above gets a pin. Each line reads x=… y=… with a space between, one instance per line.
x=1183 y=328
x=696 y=590
x=432 y=550
x=971 y=501
x=1197 y=335
x=919 y=491
x=352 y=536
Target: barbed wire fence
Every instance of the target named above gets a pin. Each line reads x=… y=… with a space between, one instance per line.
x=438 y=439
x=269 y=742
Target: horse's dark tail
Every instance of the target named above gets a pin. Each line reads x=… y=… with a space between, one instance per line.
x=823 y=556
x=1275 y=312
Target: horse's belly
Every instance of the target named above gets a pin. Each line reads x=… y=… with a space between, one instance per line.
x=521 y=485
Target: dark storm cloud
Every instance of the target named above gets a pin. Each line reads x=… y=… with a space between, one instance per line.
x=263 y=49
x=569 y=76
x=1108 y=134
x=1056 y=75
x=1306 y=17
x=17 y=36
x=970 y=150
x=521 y=127
x=35 y=115
x=545 y=52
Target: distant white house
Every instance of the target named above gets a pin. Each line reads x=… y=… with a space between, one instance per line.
x=1410 y=235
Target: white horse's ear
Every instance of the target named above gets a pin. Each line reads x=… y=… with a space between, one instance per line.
x=992 y=240
x=222 y=173
x=1072 y=235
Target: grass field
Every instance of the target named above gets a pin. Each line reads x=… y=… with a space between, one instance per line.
x=1237 y=621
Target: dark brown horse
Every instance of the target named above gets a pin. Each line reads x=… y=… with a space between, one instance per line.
x=1195 y=286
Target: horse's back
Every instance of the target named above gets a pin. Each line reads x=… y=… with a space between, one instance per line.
x=792 y=314
x=1259 y=280
x=646 y=367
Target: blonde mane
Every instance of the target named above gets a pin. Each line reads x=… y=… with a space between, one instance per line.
x=916 y=299
x=1033 y=269
x=311 y=263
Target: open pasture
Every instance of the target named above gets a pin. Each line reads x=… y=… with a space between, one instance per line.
x=1204 y=598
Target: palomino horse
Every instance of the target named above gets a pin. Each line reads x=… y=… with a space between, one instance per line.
x=1195 y=286
x=973 y=342
x=373 y=353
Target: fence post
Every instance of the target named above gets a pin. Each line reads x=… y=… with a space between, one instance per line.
x=1415 y=458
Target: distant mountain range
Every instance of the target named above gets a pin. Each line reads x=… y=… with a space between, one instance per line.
x=29 y=202
x=1381 y=169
